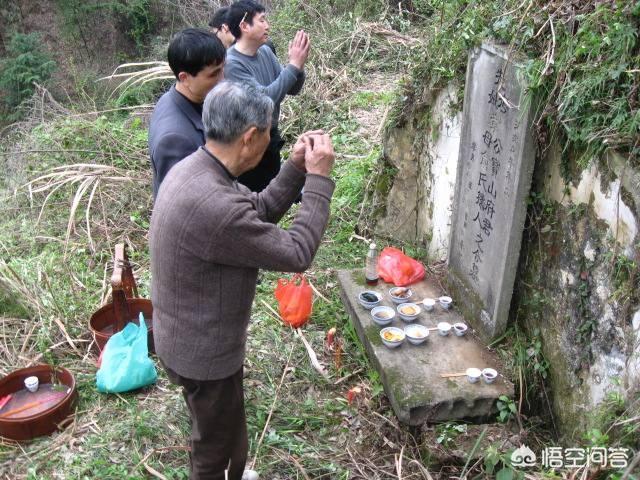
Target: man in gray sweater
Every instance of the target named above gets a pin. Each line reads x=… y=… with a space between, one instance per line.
x=251 y=61
x=209 y=236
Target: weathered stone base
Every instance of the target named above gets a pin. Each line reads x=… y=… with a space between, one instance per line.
x=411 y=374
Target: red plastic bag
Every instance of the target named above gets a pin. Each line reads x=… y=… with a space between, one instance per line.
x=294 y=301
x=397 y=268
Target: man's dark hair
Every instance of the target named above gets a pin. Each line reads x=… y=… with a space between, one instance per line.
x=219 y=18
x=193 y=49
x=242 y=9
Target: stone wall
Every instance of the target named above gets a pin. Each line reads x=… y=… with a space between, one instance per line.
x=588 y=313
x=424 y=151
x=570 y=283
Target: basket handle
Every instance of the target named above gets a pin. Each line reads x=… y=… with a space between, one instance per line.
x=123 y=286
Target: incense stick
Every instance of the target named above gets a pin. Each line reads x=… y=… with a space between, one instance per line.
x=29 y=405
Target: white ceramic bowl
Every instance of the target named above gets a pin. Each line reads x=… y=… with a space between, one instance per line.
x=460 y=329
x=473 y=374
x=31 y=383
x=400 y=294
x=444 y=328
x=489 y=375
x=408 y=311
x=428 y=304
x=382 y=315
x=366 y=303
x=397 y=333
x=416 y=333
x=445 y=302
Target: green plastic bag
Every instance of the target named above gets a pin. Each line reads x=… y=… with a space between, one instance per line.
x=125 y=361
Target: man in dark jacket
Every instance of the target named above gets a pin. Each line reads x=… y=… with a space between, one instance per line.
x=209 y=236
x=196 y=58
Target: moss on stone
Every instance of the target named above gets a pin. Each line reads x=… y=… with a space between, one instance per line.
x=542 y=303
x=358 y=277
x=396 y=381
x=467 y=301
x=628 y=200
x=372 y=332
x=452 y=385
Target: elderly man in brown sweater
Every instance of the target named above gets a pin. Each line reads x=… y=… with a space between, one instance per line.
x=209 y=236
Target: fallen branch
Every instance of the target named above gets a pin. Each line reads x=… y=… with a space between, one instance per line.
x=317 y=292
x=286 y=456
x=154 y=472
x=273 y=406
x=312 y=355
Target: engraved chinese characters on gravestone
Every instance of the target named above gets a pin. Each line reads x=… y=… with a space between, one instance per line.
x=494 y=175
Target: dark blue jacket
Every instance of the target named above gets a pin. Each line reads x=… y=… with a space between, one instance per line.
x=175 y=132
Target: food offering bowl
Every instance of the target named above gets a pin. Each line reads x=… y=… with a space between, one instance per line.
x=369 y=299
x=460 y=329
x=444 y=328
x=473 y=374
x=408 y=311
x=382 y=315
x=392 y=337
x=428 y=303
x=400 y=294
x=445 y=302
x=489 y=375
x=416 y=333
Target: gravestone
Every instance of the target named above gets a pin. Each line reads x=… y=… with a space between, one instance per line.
x=495 y=164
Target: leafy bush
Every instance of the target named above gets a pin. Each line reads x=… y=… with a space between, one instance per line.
x=581 y=68
x=26 y=62
x=81 y=18
x=138 y=17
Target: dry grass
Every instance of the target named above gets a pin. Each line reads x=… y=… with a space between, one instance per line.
x=89 y=178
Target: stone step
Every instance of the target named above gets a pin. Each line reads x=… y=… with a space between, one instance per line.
x=411 y=373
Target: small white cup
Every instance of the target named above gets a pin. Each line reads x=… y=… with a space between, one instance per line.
x=31 y=383
x=445 y=302
x=489 y=375
x=444 y=328
x=473 y=374
x=460 y=329
x=428 y=304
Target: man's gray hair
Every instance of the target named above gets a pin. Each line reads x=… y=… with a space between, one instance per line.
x=231 y=108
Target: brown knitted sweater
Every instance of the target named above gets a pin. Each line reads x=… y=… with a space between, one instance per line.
x=209 y=236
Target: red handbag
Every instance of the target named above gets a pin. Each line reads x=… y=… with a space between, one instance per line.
x=397 y=268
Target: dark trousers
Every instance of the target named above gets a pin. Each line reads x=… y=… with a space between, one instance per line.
x=218 y=426
x=258 y=178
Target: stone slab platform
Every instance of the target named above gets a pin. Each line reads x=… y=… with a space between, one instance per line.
x=411 y=373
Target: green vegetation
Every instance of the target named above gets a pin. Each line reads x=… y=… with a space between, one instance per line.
x=82 y=18
x=581 y=64
x=25 y=63
x=506 y=409
x=447 y=433
x=499 y=464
